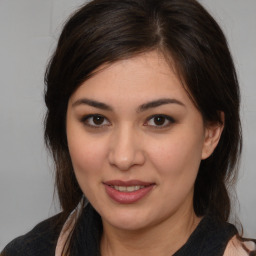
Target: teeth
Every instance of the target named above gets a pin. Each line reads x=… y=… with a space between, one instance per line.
x=121 y=188
x=128 y=189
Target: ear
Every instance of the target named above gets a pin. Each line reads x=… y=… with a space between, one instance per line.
x=213 y=133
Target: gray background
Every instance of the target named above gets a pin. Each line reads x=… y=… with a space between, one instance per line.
x=28 y=33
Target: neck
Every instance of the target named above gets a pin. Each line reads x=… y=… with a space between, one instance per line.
x=161 y=239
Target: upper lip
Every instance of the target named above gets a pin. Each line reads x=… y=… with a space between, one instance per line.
x=127 y=183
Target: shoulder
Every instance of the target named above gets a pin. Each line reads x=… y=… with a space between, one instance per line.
x=215 y=235
x=209 y=238
x=41 y=240
x=240 y=247
x=225 y=237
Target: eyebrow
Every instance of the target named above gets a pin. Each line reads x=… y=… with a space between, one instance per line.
x=141 y=108
x=92 y=103
x=157 y=103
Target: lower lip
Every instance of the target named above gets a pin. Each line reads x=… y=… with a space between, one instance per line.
x=127 y=197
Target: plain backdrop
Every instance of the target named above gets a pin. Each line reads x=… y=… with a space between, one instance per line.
x=29 y=31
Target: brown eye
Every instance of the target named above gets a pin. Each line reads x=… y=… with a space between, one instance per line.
x=98 y=120
x=159 y=121
x=95 y=121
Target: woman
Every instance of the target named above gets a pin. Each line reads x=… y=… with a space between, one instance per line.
x=143 y=124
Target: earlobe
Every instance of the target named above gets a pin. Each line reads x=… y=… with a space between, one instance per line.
x=213 y=133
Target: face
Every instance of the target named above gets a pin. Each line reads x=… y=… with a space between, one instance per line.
x=136 y=141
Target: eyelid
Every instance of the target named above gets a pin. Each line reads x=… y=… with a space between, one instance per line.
x=168 y=118
x=85 y=119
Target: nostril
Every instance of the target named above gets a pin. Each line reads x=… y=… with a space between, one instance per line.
x=124 y=161
x=125 y=150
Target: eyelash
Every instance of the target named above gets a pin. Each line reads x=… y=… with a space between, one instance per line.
x=167 y=119
x=85 y=120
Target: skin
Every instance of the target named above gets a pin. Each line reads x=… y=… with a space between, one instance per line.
x=126 y=143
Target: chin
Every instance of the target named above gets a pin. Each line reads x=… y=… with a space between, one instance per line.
x=127 y=219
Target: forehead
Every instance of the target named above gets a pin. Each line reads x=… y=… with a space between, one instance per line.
x=142 y=78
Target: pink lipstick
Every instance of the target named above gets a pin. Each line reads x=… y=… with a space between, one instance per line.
x=127 y=192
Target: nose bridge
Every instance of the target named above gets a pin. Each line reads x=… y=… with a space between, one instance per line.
x=125 y=148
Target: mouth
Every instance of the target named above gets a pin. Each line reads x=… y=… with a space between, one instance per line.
x=128 y=188
x=127 y=192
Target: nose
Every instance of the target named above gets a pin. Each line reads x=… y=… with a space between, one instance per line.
x=126 y=149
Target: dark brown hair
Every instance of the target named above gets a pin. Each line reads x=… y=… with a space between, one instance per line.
x=105 y=31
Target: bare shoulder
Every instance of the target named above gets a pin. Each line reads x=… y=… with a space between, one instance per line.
x=240 y=247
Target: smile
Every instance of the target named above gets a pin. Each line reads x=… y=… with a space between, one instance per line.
x=127 y=192
x=128 y=188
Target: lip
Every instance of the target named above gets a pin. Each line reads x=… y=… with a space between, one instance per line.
x=127 y=197
x=127 y=183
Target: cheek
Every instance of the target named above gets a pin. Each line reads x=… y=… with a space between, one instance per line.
x=87 y=153
x=86 y=156
x=177 y=164
x=178 y=157
x=88 y=161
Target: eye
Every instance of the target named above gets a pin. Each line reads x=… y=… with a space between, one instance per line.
x=95 y=121
x=159 y=121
